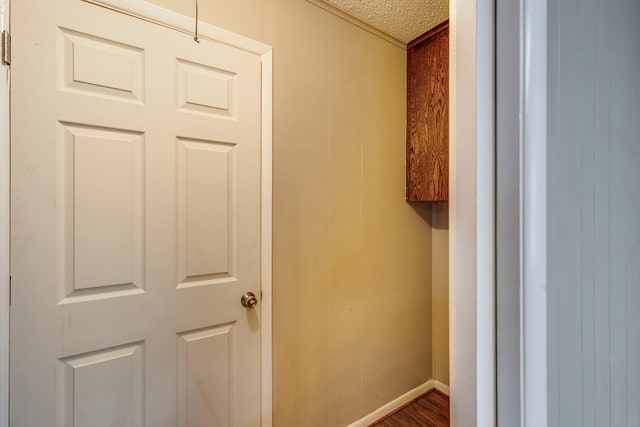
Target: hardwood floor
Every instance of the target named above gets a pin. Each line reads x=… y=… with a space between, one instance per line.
x=429 y=410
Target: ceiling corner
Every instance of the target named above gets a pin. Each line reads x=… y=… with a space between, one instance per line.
x=402 y=19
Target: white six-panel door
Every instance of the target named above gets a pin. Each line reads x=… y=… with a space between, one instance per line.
x=135 y=223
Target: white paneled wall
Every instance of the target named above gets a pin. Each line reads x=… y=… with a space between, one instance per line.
x=593 y=213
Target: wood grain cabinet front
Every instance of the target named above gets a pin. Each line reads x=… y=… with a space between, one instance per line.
x=428 y=116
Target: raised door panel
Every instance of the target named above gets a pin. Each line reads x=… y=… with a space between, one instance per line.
x=204 y=370
x=205 y=90
x=100 y=67
x=102 y=389
x=205 y=171
x=101 y=226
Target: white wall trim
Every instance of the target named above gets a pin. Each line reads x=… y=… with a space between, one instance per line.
x=508 y=215
x=472 y=213
x=267 y=242
x=441 y=387
x=486 y=215
x=5 y=229
x=533 y=310
x=400 y=402
x=524 y=396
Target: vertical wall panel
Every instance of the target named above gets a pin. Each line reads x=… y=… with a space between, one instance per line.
x=594 y=197
x=602 y=171
x=345 y=234
x=440 y=286
x=618 y=226
x=553 y=404
x=630 y=110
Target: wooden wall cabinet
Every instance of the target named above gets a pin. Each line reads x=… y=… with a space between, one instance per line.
x=428 y=116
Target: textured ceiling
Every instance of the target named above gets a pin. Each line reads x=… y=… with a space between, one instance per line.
x=403 y=19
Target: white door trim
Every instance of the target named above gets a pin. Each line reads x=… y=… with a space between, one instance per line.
x=508 y=219
x=5 y=229
x=161 y=16
x=266 y=239
x=522 y=328
x=472 y=213
x=534 y=213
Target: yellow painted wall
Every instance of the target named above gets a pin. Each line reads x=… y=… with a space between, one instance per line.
x=440 y=286
x=352 y=261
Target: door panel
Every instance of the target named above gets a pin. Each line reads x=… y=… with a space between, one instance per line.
x=101 y=236
x=198 y=379
x=136 y=223
x=102 y=388
x=203 y=193
x=100 y=66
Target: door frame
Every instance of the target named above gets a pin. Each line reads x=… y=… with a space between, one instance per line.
x=498 y=327
x=522 y=298
x=175 y=21
x=508 y=200
x=5 y=227
x=472 y=255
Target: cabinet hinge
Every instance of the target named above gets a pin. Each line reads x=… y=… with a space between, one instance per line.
x=6 y=48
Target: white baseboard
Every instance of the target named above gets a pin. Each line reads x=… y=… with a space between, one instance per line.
x=399 y=402
x=441 y=387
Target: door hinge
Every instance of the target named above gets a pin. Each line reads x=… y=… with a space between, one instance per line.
x=6 y=48
x=10 y=289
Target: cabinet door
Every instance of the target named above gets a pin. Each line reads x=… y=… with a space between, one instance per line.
x=428 y=117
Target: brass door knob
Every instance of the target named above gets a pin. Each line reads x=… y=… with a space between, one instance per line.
x=249 y=300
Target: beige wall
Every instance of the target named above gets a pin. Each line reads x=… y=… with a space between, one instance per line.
x=352 y=261
x=440 y=286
